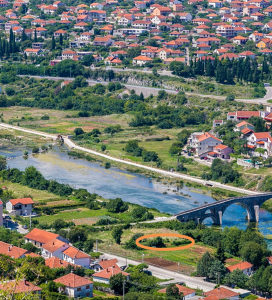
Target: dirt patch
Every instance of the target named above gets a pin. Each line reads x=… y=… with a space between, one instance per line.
x=60 y=203
x=231 y=261
x=169 y=265
x=86 y=221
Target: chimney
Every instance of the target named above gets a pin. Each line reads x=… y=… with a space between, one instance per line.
x=9 y=248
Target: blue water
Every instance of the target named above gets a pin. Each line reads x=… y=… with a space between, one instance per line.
x=131 y=187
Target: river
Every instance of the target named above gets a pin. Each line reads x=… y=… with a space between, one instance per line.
x=131 y=187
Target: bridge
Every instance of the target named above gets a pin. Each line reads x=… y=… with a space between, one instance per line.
x=216 y=209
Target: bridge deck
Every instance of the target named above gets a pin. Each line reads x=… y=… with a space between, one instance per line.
x=214 y=204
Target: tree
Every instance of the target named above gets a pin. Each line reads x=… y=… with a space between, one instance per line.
x=61 y=39
x=204 y=264
x=3 y=163
x=253 y=253
x=117 y=205
x=53 y=43
x=78 y=131
x=77 y=234
x=220 y=253
x=216 y=271
x=116 y=283
x=173 y=292
x=236 y=279
x=117 y=234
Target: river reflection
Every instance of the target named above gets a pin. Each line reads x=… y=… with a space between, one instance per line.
x=131 y=187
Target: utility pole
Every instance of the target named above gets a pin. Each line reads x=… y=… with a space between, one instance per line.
x=96 y=246
x=124 y=282
x=30 y=221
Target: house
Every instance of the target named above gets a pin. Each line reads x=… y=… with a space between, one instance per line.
x=56 y=263
x=104 y=264
x=105 y=275
x=258 y=139
x=105 y=41
x=20 y=287
x=243 y=125
x=243 y=115
x=222 y=151
x=39 y=237
x=186 y=292
x=68 y=54
x=221 y=293
x=217 y=123
x=54 y=248
x=201 y=143
x=75 y=286
x=76 y=257
x=141 y=60
x=32 y=52
x=245 y=267
x=12 y=251
x=20 y=207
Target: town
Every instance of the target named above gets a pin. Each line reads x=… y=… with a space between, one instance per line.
x=124 y=119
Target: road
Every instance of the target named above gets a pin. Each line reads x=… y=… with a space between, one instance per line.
x=192 y=282
x=72 y=145
x=147 y=91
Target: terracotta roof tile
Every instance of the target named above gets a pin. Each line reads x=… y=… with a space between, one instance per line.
x=41 y=236
x=73 y=280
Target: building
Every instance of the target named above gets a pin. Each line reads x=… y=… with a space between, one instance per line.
x=187 y=292
x=39 y=237
x=243 y=115
x=12 y=251
x=258 y=139
x=221 y=293
x=56 y=263
x=217 y=123
x=245 y=267
x=243 y=125
x=20 y=287
x=54 y=248
x=105 y=275
x=202 y=143
x=104 y=264
x=20 y=207
x=76 y=257
x=141 y=60
x=222 y=151
x=75 y=286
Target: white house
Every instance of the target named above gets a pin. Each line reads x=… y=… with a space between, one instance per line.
x=141 y=60
x=222 y=293
x=39 y=237
x=105 y=275
x=74 y=256
x=20 y=207
x=54 y=248
x=75 y=286
x=201 y=143
x=104 y=264
x=245 y=267
x=258 y=138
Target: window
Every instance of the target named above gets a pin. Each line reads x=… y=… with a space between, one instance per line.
x=79 y=289
x=87 y=287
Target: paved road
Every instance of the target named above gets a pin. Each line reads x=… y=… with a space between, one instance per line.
x=72 y=145
x=192 y=282
x=147 y=91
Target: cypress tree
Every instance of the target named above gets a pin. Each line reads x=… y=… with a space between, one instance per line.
x=53 y=43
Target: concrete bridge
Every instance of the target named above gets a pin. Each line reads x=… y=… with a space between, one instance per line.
x=216 y=209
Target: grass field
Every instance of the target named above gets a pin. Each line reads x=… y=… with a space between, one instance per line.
x=187 y=258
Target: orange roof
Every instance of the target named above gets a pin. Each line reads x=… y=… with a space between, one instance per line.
x=262 y=135
x=246 y=130
x=22 y=286
x=41 y=236
x=142 y=57
x=56 y=263
x=53 y=245
x=107 y=263
x=207 y=135
x=247 y=114
x=24 y=201
x=220 y=293
x=11 y=251
x=182 y=289
x=75 y=253
x=109 y=272
x=243 y=123
x=73 y=280
x=221 y=147
x=241 y=266
x=32 y=254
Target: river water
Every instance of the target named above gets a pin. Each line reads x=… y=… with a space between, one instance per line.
x=131 y=187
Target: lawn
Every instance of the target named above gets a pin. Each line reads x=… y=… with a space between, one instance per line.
x=187 y=258
x=72 y=214
x=21 y=191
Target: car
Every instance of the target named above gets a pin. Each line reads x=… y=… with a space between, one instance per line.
x=7 y=217
x=24 y=226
